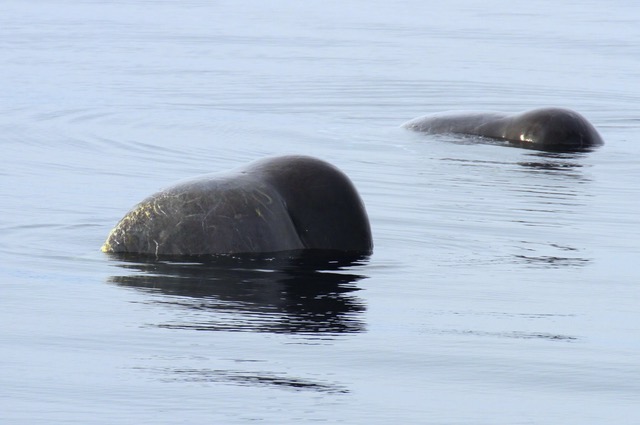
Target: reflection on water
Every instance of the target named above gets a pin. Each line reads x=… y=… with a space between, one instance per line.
x=552 y=261
x=491 y=325
x=558 y=163
x=305 y=294
x=539 y=196
x=256 y=378
x=557 y=196
x=511 y=334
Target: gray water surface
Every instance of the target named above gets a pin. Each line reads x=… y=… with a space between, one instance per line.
x=503 y=288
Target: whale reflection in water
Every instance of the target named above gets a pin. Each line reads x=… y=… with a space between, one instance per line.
x=305 y=293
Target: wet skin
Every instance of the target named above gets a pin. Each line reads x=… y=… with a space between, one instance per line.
x=547 y=129
x=276 y=204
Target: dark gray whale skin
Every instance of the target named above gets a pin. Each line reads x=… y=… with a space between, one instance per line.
x=287 y=203
x=547 y=129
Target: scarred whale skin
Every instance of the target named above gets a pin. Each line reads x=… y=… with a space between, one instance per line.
x=275 y=204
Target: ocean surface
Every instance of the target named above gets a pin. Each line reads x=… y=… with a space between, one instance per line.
x=504 y=285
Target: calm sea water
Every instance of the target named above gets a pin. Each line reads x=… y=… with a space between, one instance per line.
x=504 y=285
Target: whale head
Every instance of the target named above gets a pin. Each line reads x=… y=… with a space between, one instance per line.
x=554 y=129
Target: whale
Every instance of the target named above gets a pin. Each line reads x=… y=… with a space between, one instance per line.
x=545 y=129
x=278 y=204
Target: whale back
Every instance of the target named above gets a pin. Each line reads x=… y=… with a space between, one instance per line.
x=213 y=214
x=458 y=122
x=277 y=204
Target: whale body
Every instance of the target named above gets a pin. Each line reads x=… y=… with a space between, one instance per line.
x=547 y=129
x=276 y=204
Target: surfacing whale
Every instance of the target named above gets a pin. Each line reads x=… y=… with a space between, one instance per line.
x=287 y=203
x=547 y=129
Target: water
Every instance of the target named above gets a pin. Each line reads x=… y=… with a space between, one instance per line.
x=503 y=287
